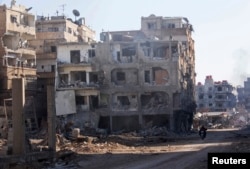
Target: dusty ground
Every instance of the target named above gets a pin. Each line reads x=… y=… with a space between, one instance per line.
x=179 y=152
x=128 y=151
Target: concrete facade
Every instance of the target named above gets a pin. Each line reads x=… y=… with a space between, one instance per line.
x=50 y=32
x=17 y=57
x=76 y=77
x=215 y=96
x=149 y=75
x=244 y=95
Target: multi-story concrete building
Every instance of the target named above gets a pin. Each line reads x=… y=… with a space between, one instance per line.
x=17 y=57
x=215 y=96
x=50 y=32
x=148 y=75
x=77 y=87
x=244 y=95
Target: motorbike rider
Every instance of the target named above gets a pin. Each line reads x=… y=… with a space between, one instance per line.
x=204 y=131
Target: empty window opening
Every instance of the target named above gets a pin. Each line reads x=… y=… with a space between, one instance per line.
x=161 y=52
x=129 y=51
x=147 y=76
x=69 y=30
x=80 y=100
x=53 y=48
x=93 y=77
x=155 y=100
x=63 y=80
x=75 y=56
x=146 y=48
x=117 y=37
x=119 y=56
x=13 y=19
x=78 y=77
x=151 y=25
x=94 y=102
x=171 y=25
x=120 y=76
x=219 y=88
x=91 y=53
x=53 y=68
x=123 y=100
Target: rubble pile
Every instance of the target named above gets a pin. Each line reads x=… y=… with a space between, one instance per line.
x=157 y=131
x=240 y=120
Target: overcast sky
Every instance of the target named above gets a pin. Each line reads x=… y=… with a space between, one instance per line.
x=221 y=27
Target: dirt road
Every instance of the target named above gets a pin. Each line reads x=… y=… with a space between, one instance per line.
x=190 y=152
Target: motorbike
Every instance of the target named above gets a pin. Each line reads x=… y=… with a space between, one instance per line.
x=202 y=134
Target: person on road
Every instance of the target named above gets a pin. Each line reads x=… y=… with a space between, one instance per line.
x=203 y=132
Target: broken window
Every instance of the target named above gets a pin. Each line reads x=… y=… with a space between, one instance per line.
x=93 y=77
x=75 y=56
x=119 y=56
x=171 y=25
x=120 y=76
x=210 y=96
x=63 y=80
x=219 y=88
x=161 y=52
x=78 y=76
x=117 y=37
x=13 y=19
x=80 y=100
x=151 y=25
x=91 y=53
x=123 y=100
x=147 y=76
x=158 y=100
x=69 y=30
x=146 y=48
x=94 y=102
x=201 y=96
x=128 y=51
x=52 y=68
x=53 y=48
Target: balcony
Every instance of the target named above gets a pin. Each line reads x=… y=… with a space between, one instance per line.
x=16 y=27
x=46 y=74
x=77 y=85
x=18 y=71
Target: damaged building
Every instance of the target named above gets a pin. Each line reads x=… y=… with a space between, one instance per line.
x=77 y=84
x=18 y=58
x=50 y=32
x=215 y=96
x=18 y=78
x=244 y=95
x=149 y=75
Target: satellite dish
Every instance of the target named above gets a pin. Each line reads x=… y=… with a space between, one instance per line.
x=76 y=13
